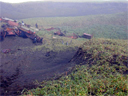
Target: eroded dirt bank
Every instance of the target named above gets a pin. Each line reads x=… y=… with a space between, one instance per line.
x=22 y=66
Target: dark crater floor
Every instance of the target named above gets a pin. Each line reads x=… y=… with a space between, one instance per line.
x=21 y=67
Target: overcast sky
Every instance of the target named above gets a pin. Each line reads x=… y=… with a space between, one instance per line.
x=20 y=1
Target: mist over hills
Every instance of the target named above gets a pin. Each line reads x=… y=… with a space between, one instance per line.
x=59 y=9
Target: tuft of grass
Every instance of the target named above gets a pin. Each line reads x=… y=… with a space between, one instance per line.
x=100 y=72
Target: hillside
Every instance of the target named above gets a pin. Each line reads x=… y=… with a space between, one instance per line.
x=54 y=9
x=102 y=70
x=112 y=26
x=62 y=65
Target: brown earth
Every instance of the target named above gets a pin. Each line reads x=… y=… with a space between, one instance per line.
x=22 y=66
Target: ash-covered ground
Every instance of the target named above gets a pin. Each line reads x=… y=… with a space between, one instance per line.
x=21 y=66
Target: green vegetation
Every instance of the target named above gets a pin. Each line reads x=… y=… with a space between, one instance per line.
x=58 y=43
x=113 y=26
x=101 y=62
x=102 y=67
x=101 y=72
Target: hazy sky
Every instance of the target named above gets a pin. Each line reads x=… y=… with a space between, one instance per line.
x=19 y=1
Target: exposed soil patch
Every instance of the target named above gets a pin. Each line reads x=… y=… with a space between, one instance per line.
x=13 y=42
x=21 y=67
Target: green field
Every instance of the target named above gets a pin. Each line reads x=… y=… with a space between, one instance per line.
x=102 y=61
x=113 y=26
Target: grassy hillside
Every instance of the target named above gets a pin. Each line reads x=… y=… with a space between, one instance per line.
x=102 y=62
x=54 y=9
x=102 y=67
x=102 y=70
x=112 y=26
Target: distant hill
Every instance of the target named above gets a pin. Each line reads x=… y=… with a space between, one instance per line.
x=58 y=9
